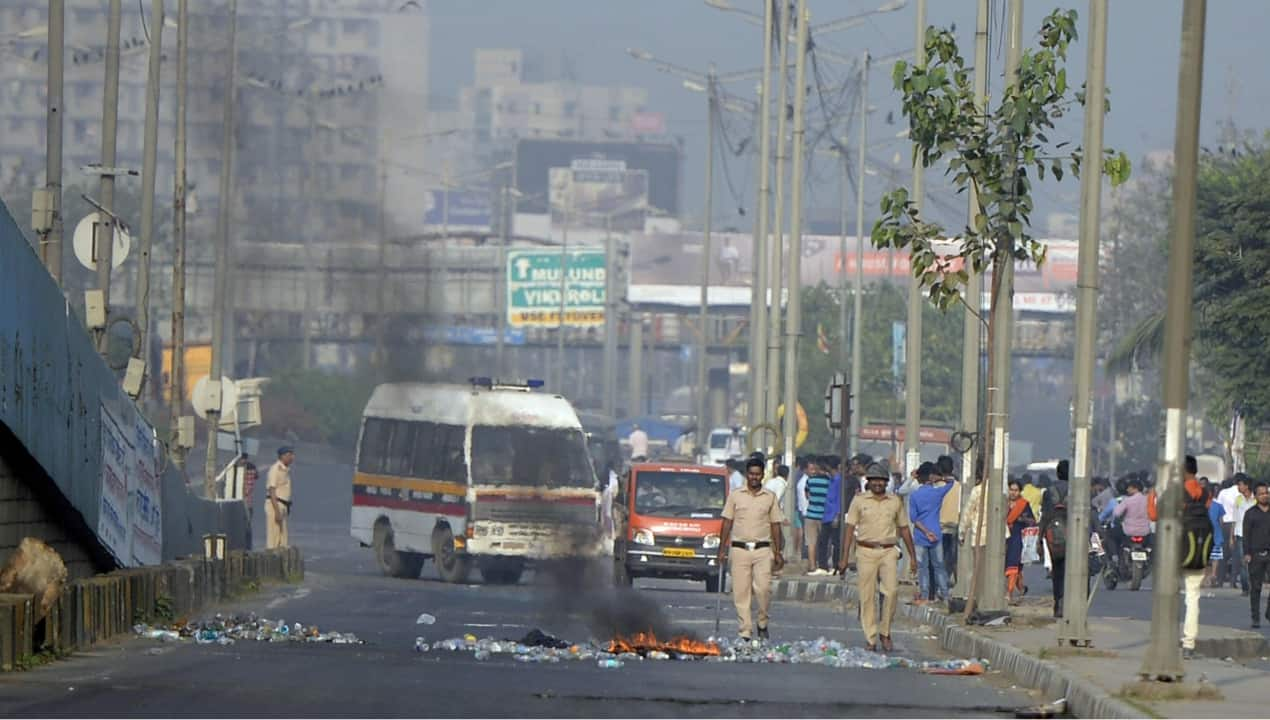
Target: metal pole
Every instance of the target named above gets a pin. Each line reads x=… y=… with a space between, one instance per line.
x=381 y=299
x=971 y=326
x=1074 y=626
x=109 y=126
x=635 y=381
x=857 y=315
x=500 y=285
x=610 y=317
x=306 y=314
x=793 y=323
x=149 y=160
x=913 y=349
x=564 y=289
x=703 y=345
x=844 y=315
x=51 y=244
x=758 y=299
x=177 y=376
x=776 y=247
x=991 y=596
x=1163 y=659
x=222 y=248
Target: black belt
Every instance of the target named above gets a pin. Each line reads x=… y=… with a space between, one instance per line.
x=757 y=545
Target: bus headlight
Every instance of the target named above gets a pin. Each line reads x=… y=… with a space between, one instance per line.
x=711 y=542
x=644 y=537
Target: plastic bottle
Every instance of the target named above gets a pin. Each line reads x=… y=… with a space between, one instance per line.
x=610 y=663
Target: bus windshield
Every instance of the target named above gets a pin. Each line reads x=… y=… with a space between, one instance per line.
x=679 y=494
x=530 y=457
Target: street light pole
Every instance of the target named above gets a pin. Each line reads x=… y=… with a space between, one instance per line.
x=1163 y=659
x=222 y=252
x=51 y=247
x=609 y=401
x=857 y=314
x=991 y=596
x=913 y=350
x=776 y=248
x=703 y=344
x=564 y=289
x=109 y=128
x=1074 y=626
x=149 y=160
x=971 y=324
x=793 y=323
x=500 y=285
x=177 y=376
x=762 y=239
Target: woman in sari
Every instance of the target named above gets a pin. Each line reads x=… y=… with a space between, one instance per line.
x=1018 y=517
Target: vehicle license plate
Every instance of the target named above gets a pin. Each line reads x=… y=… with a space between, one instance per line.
x=1138 y=556
x=680 y=552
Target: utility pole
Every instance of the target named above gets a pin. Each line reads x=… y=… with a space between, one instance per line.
x=564 y=290
x=758 y=299
x=844 y=315
x=635 y=380
x=857 y=314
x=913 y=350
x=381 y=301
x=149 y=160
x=610 y=319
x=310 y=265
x=177 y=376
x=51 y=243
x=971 y=325
x=776 y=247
x=703 y=345
x=109 y=126
x=222 y=253
x=500 y=285
x=991 y=597
x=793 y=323
x=1163 y=660
x=1074 y=626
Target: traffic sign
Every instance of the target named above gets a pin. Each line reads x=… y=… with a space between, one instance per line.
x=85 y=244
x=533 y=288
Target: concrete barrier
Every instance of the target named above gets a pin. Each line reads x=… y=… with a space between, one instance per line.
x=102 y=607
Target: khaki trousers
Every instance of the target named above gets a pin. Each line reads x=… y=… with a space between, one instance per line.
x=751 y=579
x=811 y=534
x=1192 y=583
x=276 y=535
x=870 y=563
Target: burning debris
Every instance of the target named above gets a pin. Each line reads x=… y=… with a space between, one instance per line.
x=222 y=630
x=644 y=644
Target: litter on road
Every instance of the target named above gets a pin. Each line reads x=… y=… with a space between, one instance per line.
x=222 y=630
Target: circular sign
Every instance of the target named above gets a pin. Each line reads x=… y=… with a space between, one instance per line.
x=228 y=399
x=84 y=243
x=800 y=437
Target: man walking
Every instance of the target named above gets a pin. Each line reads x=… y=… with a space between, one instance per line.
x=278 y=502
x=1256 y=537
x=1192 y=578
x=874 y=522
x=755 y=548
x=924 y=507
x=1244 y=500
x=949 y=515
x=817 y=491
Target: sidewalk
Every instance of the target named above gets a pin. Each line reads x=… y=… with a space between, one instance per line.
x=1091 y=679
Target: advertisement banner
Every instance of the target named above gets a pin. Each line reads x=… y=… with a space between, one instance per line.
x=534 y=284
x=144 y=489
x=117 y=461
x=598 y=195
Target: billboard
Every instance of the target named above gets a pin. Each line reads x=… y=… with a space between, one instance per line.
x=533 y=288
x=535 y=158
x=458 y=209
x=598 y=195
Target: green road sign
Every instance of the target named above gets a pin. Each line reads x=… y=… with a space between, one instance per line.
x=533 y=288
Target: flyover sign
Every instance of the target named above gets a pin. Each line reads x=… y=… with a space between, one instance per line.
x=533 y=288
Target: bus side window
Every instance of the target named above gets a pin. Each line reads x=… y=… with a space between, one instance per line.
x=424 y=461
x=400 y=449
x=374 y=449
x=455 y=466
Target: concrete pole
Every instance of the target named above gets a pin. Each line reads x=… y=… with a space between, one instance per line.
x=971 y=326
x=1074 y=626
x=310 y=266
x=776 y=246
x=857 y=313
x=1163 y=660
x=703 y=311
x=635 y=381
x=916 y=301
x=222 y=248
x=51 y=243
x=149 y=161
x=761 y=278
x=793 y=323
x=610 y=319
x=991 y=596
x=564 y=291
x=500 y=285
x=844 y=315
x=381 y=284
x=109 y=125
x=177 y=376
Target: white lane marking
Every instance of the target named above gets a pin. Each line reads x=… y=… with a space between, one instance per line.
x=493 y=625
x=299 y=594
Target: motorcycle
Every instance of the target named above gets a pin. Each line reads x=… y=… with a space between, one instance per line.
x=1132 y=563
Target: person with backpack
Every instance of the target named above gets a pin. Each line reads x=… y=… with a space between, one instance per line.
x=1054 y=534
x=1199 y=531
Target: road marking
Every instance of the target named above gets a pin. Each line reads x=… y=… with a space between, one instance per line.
x=299 y=594
x=493 y=625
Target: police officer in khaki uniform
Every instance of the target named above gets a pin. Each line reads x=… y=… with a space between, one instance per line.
x=278 y=500
x=875 y=522
x=751 y=538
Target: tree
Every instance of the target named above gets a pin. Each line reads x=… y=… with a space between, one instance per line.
x=994 y=152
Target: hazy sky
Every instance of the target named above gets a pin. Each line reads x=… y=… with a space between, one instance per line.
x=1143 y=41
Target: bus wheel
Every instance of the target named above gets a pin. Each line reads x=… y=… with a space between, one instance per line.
x=453 y=567
x=393 y=562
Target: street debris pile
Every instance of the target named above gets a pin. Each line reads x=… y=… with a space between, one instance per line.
x=222 y=630
x=619 y=652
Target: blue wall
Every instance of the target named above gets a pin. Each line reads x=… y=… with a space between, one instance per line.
x=53 y=385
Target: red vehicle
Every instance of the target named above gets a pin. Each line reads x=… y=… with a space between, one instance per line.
x=669 y=517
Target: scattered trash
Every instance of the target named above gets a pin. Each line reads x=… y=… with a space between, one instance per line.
x=610 y=663
x=421 y=646
x=968 y=667
x=222 y=630
x=1057 y=708
x=426 y=619
x=538 y=638
x=997 y=621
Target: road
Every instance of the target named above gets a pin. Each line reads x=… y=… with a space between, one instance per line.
x=343 y=591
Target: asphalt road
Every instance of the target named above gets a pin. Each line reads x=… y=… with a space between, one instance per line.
x=344 y=591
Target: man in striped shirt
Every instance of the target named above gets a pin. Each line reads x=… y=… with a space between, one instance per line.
x=817 y=490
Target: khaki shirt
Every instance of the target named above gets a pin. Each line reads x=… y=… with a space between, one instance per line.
x=280 y=481
x=877 y=521
x=752 y=514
